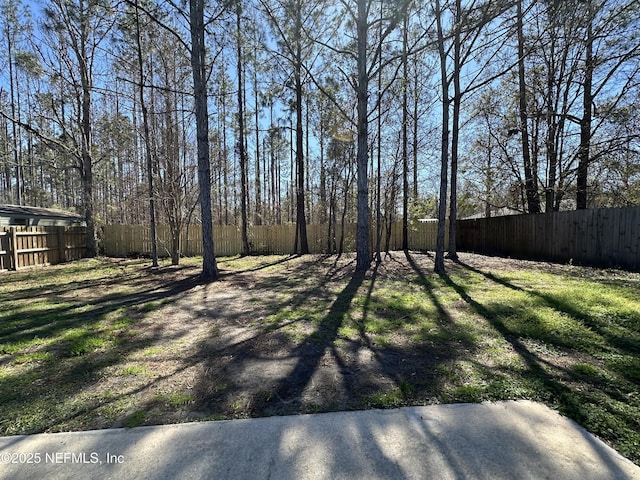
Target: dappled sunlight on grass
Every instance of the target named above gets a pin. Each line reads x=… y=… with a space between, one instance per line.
x=60 y=330
x=529 y=318
x=578 y=338
x=102 y=343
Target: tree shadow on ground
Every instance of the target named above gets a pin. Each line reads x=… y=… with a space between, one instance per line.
x=587 y=397
x=70 y=346
x=259 y=267
x=311 y=350
x=266 y=370
x=451 y=333
x=306 y=336
x=315 y=348
x=625 y=337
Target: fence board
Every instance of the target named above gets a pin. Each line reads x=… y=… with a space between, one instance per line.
x=605 y=237
x=22 y=247
x=5 y=252
x=127 y=240
x=600 y=237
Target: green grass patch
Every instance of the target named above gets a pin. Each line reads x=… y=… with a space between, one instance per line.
x=290 y=316
x=134 y=370
x=114 y=408
x=628 y=366
x=136 y=419
x=548 y=319
x=87 y=344
x=388 y=399
x=397 y=396
x=60 y=328
x=151 y=352
x=253 y=262
x=588 y=370
x=70 y=334
x=35 y=357
x=121 y=323
x=468 y=394
x=16 y=347
x=149 y=307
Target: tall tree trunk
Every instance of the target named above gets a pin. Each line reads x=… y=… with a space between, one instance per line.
x=86 y=160
x=307 y=191
x=7 y=166
x=343 y=217
x=585 y=121
x=12 y=85
x=552 y=125
x=405 y=138
x=198 y=64
x=379 y=163
x=415 y=137
x=323 y=178
x=241 y=135
x=293 y=182
x=301 y=221
x=363 y=258
x=531 y=188
x=225 y=157
x=147 y=145
x=455 y=134
x=172 y=185
x=258 y=210
x=272 y=169
x=488 y=182
x=444 y=162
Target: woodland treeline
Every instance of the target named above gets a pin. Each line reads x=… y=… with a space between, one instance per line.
x=312 y=111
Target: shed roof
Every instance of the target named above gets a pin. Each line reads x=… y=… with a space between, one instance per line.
x=11 y=210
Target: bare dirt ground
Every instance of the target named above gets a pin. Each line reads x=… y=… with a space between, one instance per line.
x=289 y=335
x=104 y=343
x=233 y=353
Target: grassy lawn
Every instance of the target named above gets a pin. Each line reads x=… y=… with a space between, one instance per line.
x=106 y=343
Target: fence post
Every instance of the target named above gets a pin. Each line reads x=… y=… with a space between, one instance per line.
x=61 y=231
x=13 y=248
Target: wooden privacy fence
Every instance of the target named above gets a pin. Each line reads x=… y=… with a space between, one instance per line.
x=601 y=237
x=608 y=237
x=31 y=246
x=125 y=240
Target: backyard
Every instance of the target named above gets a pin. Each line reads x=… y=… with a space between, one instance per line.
x=105 y=343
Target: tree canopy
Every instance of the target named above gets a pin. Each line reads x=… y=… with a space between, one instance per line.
x=318 y=112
